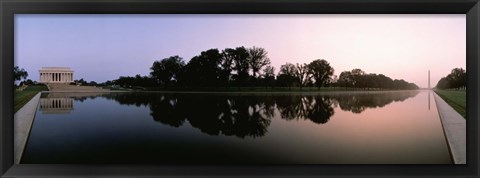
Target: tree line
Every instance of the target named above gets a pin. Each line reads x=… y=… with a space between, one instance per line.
x=455 y=80
x=251 y=67
x=357 y=78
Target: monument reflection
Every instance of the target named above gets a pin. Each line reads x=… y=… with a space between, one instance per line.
x=56 y=105
x=62 y=103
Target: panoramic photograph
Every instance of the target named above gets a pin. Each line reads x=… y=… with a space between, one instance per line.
x=238 y=89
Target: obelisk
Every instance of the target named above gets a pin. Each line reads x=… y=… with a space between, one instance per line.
x=428 y=79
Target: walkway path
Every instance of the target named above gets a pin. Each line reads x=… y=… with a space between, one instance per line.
x=22 y=121
x=455 y=128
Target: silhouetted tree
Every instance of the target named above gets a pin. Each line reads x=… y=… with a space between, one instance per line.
x=204 y=69
x=357 y=75
x=165 y=71
x=321 y=72
x=359 y=79
x=345 y=79
x=286 y=76
x=226 y=65
x=302 y=74
x=241 y=66
x=137 y=81
x=257 y=59
x=456 y=79
x=269 y=76
x=443 y=83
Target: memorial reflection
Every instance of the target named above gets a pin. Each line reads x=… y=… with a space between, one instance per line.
x=62 y=103
x=246 y=115
x=56 y=105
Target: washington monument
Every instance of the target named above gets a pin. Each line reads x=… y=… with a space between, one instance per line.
x=428 y=79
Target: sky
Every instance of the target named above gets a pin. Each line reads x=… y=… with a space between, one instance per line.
x=102 y=47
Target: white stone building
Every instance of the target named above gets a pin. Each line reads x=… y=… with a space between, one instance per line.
x=56 y=75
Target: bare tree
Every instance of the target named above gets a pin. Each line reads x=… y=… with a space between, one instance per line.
x=257 y=59
x=302 y=74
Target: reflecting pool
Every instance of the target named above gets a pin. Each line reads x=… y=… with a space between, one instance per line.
x=387 y=127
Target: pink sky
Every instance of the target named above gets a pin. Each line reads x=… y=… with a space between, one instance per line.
x=399 y=46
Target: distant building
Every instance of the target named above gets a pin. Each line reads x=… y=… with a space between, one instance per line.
x=56 y=75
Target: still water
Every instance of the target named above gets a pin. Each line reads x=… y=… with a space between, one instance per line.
x=400 y=127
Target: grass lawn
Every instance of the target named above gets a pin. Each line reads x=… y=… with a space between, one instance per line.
x=456 y=99
x=22 y=97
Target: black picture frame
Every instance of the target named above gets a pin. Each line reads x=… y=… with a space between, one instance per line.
x=8 y=8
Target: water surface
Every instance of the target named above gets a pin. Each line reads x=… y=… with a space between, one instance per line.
x=400 y=127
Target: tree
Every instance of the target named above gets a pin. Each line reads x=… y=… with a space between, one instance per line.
x=359 y=79
x=333 y=81
x=345 y=79
x=27 y=82
x=226 y=65
x=204 y=69
x=81 y=82
x=241 y=66
x=456 y=79
x=357 y=75
x=166 y=70
x=19 y=74
x=92 y=83
x=384 y=81
x=321 y=72
x=286 y=75
x=302 y=75
x=269 y=75
x=444 y=83
x=370 y=81
x=257 y=59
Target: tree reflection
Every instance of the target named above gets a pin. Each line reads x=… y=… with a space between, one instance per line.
x=357 y=103
x=165 y=109
x=318 y=109
x=247 y=115
x=230 y=115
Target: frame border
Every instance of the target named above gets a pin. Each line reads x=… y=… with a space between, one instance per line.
x=8 y=8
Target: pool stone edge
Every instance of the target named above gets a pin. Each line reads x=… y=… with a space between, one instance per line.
x=23 y=120
x=454 y=127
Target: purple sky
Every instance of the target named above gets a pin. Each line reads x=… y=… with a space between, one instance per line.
x=104 y=47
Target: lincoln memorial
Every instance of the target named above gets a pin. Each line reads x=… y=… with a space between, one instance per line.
x=56 y=75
